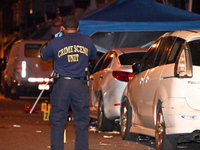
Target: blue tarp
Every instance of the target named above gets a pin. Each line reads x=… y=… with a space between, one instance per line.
x=138 y=15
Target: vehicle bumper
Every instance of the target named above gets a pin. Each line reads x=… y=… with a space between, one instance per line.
x=194 y=136
x=180 y=117
x=31 y=89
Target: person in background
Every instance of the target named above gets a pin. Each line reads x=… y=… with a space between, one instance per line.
x=71 y=53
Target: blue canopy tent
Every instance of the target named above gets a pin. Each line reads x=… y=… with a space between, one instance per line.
x=135 y=23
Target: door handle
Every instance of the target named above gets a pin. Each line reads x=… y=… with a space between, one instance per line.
x=141 y=80
x=146 y=79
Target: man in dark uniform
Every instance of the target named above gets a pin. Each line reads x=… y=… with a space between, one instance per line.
x=71 y=53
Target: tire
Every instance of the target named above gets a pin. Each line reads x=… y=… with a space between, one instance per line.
x=104 y=124
x=163 y=141
x=125 y=121
x=14 y=95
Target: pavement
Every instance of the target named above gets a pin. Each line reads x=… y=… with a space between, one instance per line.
x=20 y=130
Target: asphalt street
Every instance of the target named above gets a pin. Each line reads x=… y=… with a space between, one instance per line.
x=20 y=130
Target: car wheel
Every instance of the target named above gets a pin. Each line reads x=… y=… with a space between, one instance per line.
x=6 y=90
x=163 y=141
x=125 y=121
x=104 y=124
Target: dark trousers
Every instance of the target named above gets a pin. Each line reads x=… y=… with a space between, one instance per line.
x=73 y=93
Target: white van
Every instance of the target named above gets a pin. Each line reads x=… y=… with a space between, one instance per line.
x=26 y=74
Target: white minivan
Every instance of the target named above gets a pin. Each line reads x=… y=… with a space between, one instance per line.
x=26 y=74
x=163 y=98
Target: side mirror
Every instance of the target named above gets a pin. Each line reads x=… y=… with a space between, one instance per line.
x=136 y=67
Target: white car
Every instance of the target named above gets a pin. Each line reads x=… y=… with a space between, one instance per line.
x=26 y=74
x=107 y=82
x=163 y=98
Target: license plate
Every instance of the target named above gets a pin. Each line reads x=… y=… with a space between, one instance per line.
x=43 y=87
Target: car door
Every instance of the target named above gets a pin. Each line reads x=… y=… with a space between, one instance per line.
x=154 y=65
x=136 y=84
x=96 y=79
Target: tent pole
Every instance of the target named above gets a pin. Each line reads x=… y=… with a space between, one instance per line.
x=190 y=5
x=165 y=2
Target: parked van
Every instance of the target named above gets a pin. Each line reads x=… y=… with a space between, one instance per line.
x=26 y=74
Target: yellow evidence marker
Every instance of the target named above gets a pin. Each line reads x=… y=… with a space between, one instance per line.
x=65 y=136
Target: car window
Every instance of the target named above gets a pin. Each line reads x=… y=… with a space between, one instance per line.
x=99 y=64
x=104 y=61
x=175 y=50
x=130 y=58
x=195 y=51
x=32 y=50
x=149 y=58
x=99 y=55
x=163 y=50
x=108 y=59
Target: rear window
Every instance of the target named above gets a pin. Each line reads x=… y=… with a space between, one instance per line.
x=195 y=51
x=32 y=50
x=130 y=58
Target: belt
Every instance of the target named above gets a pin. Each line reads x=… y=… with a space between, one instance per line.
x=72 y=78
x=57 y=76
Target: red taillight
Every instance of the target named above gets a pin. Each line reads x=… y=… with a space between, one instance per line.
x=123 y=76
x=18 y=67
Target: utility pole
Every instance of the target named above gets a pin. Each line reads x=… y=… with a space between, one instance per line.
x=190 y=5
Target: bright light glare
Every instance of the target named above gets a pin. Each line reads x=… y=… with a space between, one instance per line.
x=154 y=45
x=23 y=73
x=112 y=55
x=39 y=80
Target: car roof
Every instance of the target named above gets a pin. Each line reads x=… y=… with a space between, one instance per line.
x=128 y=50
x=187 y=35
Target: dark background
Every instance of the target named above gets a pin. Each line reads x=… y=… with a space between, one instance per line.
x=13 y=19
